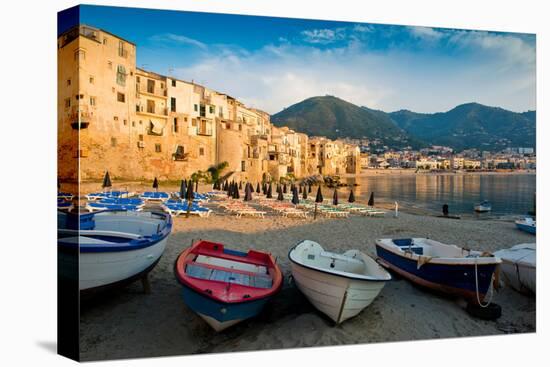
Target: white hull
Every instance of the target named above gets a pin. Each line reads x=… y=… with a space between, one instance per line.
x=217 y=325
x=338 y=297
x=519 y=267
x=98 y=269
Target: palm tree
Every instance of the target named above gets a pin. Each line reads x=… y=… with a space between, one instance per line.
x=216 y=170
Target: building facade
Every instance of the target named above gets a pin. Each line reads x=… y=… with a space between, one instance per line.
x=138 y=124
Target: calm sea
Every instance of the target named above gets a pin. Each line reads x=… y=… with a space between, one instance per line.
x=511 y=194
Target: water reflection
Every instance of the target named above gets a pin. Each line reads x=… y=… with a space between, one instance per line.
x=509 y=194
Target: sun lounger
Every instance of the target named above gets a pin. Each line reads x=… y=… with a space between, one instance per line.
x=250 y=212
x=155 y=196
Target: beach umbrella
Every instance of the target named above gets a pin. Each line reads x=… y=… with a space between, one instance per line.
x=248 y=192
x=371 y=199
x=335 y=197
x=197 y=186
x=309 y=189
x=240 y=185
x=156 y=184
x=269 y=193
x=258 y=188
x=229 y=189
x=280 y=196
x=106 y=180
x=236 y=191
x=351 y=198
x=264 y=188
x=295 y=198
x=284 y=189
x=183 y=190
x=304 y=194
x=318 y=199
x=190 y=195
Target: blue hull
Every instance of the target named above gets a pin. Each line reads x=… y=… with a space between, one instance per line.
x=526 y=228
x=221 y=311
x=453 y=279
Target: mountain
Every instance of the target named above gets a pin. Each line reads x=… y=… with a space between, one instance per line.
x=335 y=118
x=471 y=125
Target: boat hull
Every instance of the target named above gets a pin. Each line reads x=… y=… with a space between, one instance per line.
x=520 y=277
x=98 y=270
x=220 y=315
x=338 y=297
x=453 y=279
x=526 y=228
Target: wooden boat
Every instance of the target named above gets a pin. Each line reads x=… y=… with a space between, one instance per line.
x=225 y=286
x=519 y=267
x=113 y=247
x=445 y=268
x=339 y=285
x=483 y=207
x=527 y=225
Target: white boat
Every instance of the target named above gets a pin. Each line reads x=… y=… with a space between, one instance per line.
x=339 y=285
x=519 y=266
x=483 y=207
x=110 y=247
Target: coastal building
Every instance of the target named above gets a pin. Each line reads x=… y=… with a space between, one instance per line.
x=139 y=124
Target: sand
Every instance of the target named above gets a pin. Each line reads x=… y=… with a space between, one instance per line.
x=127 y=323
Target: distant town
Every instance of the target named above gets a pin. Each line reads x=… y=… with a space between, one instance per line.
x=375 y=155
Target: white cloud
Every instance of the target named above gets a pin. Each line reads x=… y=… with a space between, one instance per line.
x=178 y=39
x=324 y=36
x=492 y=69
x=426 y=34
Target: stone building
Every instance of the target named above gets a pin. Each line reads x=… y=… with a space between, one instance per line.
x=138 y=124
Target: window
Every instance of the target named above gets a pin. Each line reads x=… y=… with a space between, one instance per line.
x=91 y=79
x=194 y=122
x=161 y=85
x=212 y=109
x=196 y=107
x=120 y=97
x=121 y=50
x=67 y=102
x=240 y=127
x=150 y=106
x=125 y=122
x=137 y=79
x=92 y=101
x=140 y=122
x=105 y=40
x=121 y=75
x=173 y=82
x=150 y=86
x=201 y=151
x=80 y=55
x=158 y=148
x=79 y=96
x=140 y=137
x=243 y=166
x=68 y=82
x=220 y=111
x=175 y=124
x=173 y=104
x=113 y=142
x=115 y=118
x=133 y=124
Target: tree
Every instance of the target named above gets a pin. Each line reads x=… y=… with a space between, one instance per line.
x=215 y=171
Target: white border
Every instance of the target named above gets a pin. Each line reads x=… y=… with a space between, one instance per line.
x=28 y=299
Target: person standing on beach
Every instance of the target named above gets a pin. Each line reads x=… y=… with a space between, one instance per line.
x=445 y=209
x=396 y=209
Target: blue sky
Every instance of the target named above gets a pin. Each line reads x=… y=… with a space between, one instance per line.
x=272 y=63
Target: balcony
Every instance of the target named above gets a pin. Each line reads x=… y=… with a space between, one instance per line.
x=205 y=131
x=155 y=90
x=152 y=111
x=180 y=157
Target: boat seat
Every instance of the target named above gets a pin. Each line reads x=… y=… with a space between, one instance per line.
x=203 y=272
x=347 y=259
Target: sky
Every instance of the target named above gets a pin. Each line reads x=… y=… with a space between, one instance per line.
x=271 y=63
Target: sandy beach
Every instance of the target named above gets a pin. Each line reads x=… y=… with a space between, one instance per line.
x=126 y=323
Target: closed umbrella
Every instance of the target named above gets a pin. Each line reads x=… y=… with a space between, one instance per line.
x=189 y=197
x=351 y=198
x=269 y=193
x=309 y=189
x=258 y=188
x=236 y=194
x=197 y=186
x=295 y=198
x=183 y=190
x=106 y=180
x=304 y=194
x=280 y=196
x=264 y=188
x=318 y=199
x=240 y=185
x=247 y=192
x=284 y=189
x=335 y=197
x=156 y=184
x=371 y=199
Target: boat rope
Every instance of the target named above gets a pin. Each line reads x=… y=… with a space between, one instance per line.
x=482 y=305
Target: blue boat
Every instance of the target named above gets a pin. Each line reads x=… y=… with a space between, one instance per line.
x=226 y=286
x=444 y=268
x=528 y=225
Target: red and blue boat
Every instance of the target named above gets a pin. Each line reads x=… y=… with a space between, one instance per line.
x=444 y=268
x=225 y=286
